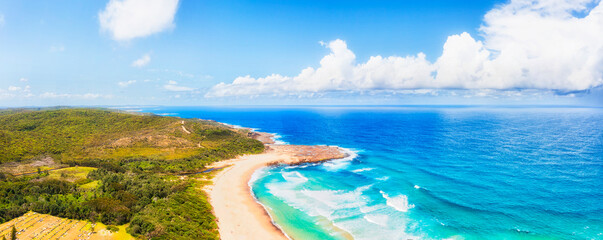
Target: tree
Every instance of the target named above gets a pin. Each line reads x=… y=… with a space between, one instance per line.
x=13 y=233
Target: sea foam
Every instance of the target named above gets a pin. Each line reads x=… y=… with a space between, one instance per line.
x=339 y=164
x=399 y=202
x=362 y=170
x=277 y=138
x=294 y=177
x=379 y=219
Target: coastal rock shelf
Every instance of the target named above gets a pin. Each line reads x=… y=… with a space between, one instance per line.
x=300 y=154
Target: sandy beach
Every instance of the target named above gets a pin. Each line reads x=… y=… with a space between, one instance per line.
x=239 y=215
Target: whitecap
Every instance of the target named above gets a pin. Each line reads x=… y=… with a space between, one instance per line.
x=363 y=188
x=382 y=178
x=339 y=164
x=294 y=177
x=417 y=187
x=277 y=138
x=362 y=170
x=399 y=202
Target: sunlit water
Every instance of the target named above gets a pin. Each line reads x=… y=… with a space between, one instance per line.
x=432 y=173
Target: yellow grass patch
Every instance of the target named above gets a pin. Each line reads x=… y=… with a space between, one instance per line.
x=33 y=225
x=71 y=174
x=159 y=153
x=90 y=186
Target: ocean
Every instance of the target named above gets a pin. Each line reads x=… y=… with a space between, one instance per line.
x=431 y=172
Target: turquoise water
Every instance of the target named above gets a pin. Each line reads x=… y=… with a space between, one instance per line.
x=433 y=173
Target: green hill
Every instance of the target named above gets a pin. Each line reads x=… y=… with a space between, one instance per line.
x=90 y=136
x=123 y=170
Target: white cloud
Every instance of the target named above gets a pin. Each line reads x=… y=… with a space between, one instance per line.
x=129 y=19
x=126 y=83
x=13 y=88
x=23 y=79
x=16 y=92
x=174 y=87
x=142 y=61
x=527 y=44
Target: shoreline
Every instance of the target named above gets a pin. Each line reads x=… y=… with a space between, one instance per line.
x=239 y=214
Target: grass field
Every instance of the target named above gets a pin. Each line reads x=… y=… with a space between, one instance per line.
x=42 y=226
x=70 y=174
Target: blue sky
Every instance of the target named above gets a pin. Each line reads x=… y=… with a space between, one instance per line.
x=96 y=53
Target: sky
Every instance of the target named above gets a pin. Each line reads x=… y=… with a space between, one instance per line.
x=278 y=52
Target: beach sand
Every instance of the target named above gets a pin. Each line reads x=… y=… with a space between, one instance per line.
x=239 y=215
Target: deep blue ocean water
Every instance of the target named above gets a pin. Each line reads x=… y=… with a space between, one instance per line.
x=432 y=172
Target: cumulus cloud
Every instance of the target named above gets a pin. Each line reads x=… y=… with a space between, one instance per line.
x=13 y=88
x=174 y=87
x=527 y=44
x=23 y=79
x=16 y=91
x=129 y=19
x=142 y=61
x=126 y=83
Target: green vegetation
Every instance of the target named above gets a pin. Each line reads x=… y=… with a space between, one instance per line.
x=80 y=135
x=112 y=228
x=184 y=215
x=122 y=169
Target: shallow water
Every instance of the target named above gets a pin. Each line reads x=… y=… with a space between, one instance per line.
x=433 y=173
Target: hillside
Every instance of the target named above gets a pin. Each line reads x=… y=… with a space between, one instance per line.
x=92 y=136
x=114 y=168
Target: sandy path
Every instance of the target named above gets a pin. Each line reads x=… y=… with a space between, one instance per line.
x=184 y=129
